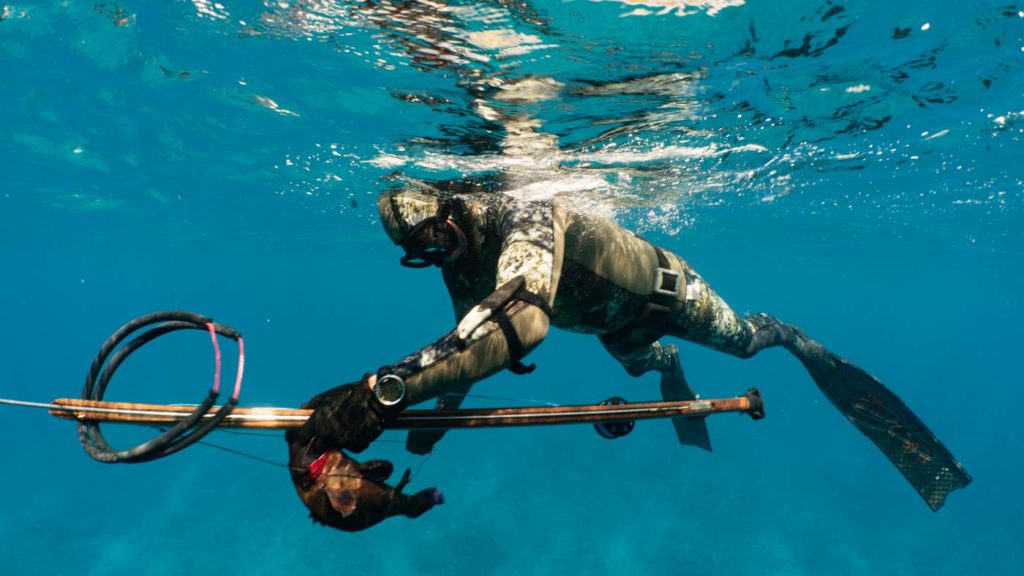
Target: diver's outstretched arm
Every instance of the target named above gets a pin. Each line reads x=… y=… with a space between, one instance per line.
x=530 y=259
x=494 y=335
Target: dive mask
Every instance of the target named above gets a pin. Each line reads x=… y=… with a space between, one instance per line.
x=429 y=243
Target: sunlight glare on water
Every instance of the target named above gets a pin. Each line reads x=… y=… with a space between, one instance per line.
x=647 y=104
x=732 y=102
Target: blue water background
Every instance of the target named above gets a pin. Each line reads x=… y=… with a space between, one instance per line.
x=128 y=187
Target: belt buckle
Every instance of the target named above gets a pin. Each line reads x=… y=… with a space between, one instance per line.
x=667 y=282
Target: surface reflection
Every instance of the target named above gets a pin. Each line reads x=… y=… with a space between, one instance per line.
x=644 y=115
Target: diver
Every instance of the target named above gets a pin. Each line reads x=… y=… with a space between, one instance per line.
x=515 y=267
x=519 y=255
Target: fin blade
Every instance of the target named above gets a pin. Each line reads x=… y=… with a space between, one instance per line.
x=689 y=431
x=881 y=416
x=344 y=501
x=692 y=432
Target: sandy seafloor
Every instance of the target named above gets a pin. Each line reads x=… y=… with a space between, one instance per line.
x=886 y=221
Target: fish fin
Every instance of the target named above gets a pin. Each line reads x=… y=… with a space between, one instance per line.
x=308 y=455
x=405 y=480
x=376 y=470
x=316 y=467
x=344 y=501
x=422 y=502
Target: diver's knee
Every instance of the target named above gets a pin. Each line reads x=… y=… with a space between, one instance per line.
x=636 y=370
x=655 y=357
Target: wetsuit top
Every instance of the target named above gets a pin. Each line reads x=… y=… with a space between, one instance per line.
x=595 y=275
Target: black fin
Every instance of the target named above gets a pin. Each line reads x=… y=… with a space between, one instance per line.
x=404 y=481
x=377 y=470
x=881 y=416
x=690 y=431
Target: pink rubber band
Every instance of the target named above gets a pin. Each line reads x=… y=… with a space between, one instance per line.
x=216 y=355
x=241 y=368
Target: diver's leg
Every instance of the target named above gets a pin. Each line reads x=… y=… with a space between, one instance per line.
x=865 y=401
x=748 y=336
x=706 y=319
x=637 y=360
x=640 y=359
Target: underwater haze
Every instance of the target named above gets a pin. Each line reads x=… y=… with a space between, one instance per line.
x=855 y=168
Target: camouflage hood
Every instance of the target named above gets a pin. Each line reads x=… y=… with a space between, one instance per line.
x=400 y=211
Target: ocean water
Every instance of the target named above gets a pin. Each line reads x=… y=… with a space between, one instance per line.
x=855 y=168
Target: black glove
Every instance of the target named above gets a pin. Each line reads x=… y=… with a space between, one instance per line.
x=347 y=417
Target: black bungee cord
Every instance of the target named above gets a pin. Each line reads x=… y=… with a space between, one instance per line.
x=186 y=432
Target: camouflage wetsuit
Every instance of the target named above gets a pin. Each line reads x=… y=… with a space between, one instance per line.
x=596 y=277
x=517 y=267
